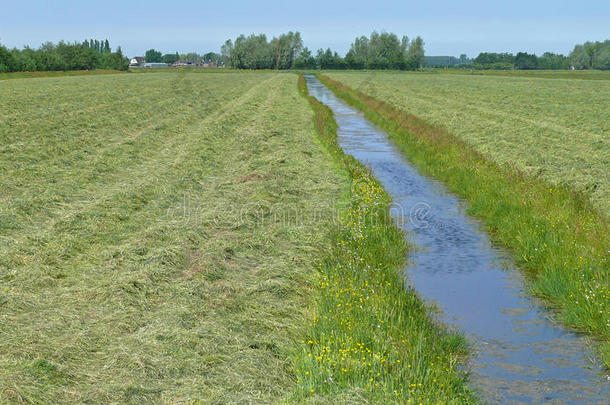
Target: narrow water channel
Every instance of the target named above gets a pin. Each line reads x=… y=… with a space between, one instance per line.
x=519 y=356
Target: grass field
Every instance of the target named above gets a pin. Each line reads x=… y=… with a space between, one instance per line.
x=558 y=129
x=174 y=237
x=28 y=75
x=544 y=74
x=138 y=259
x=555 y=234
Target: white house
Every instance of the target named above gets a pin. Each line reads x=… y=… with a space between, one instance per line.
x=137 y=61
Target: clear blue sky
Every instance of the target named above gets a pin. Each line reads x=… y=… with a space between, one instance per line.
x=447 y=27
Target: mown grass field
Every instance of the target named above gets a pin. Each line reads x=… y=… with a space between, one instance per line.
x=173 y=237
x=544 y=74
x=558 y=129
x=139 y=257
x=558 y=236
x=27 y=75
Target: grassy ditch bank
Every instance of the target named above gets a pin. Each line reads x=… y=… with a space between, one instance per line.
x=555 y=234
x=371 y=339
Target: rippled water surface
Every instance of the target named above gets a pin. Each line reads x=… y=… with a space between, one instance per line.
x=520 y=356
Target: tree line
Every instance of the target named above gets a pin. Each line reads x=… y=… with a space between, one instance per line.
x=154 y=56
x=255 y=52
x=590 y=55
x=445 y=61
x=86 y=55
x=522 y=60
x=378 y=51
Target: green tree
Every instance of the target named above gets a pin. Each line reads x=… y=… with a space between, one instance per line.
x=255 y=52
x=63 y=56
x=579 y=57
x=153 y=56
x=526 y=61
x=590 y=55
x=49 y=58
x=7 y=62
x=305 y=60
x=490 y=60
x=78 y=57
x=378 y=51
x=358 y=55
x=415 y=54
x=325 y=59
x=26 y=60
x=552 y=61
x=285 y=49
x=213 y=57
x=386 y=51
x=603 y=57
x=170 y=57
x=225 y=52
x=252 y=52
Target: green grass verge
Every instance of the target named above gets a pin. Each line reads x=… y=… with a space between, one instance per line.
x=371 y=339
x=556 y=235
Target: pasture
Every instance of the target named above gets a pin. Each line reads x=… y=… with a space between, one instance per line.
x=138 y=261
x=588 y=74
x=556 y=129
x=28 y=75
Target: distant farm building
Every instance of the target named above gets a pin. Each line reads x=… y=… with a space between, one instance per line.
x=137 y=61
x=190 y=63
x=140 y=61
x=155 y=65
x=183 y=63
